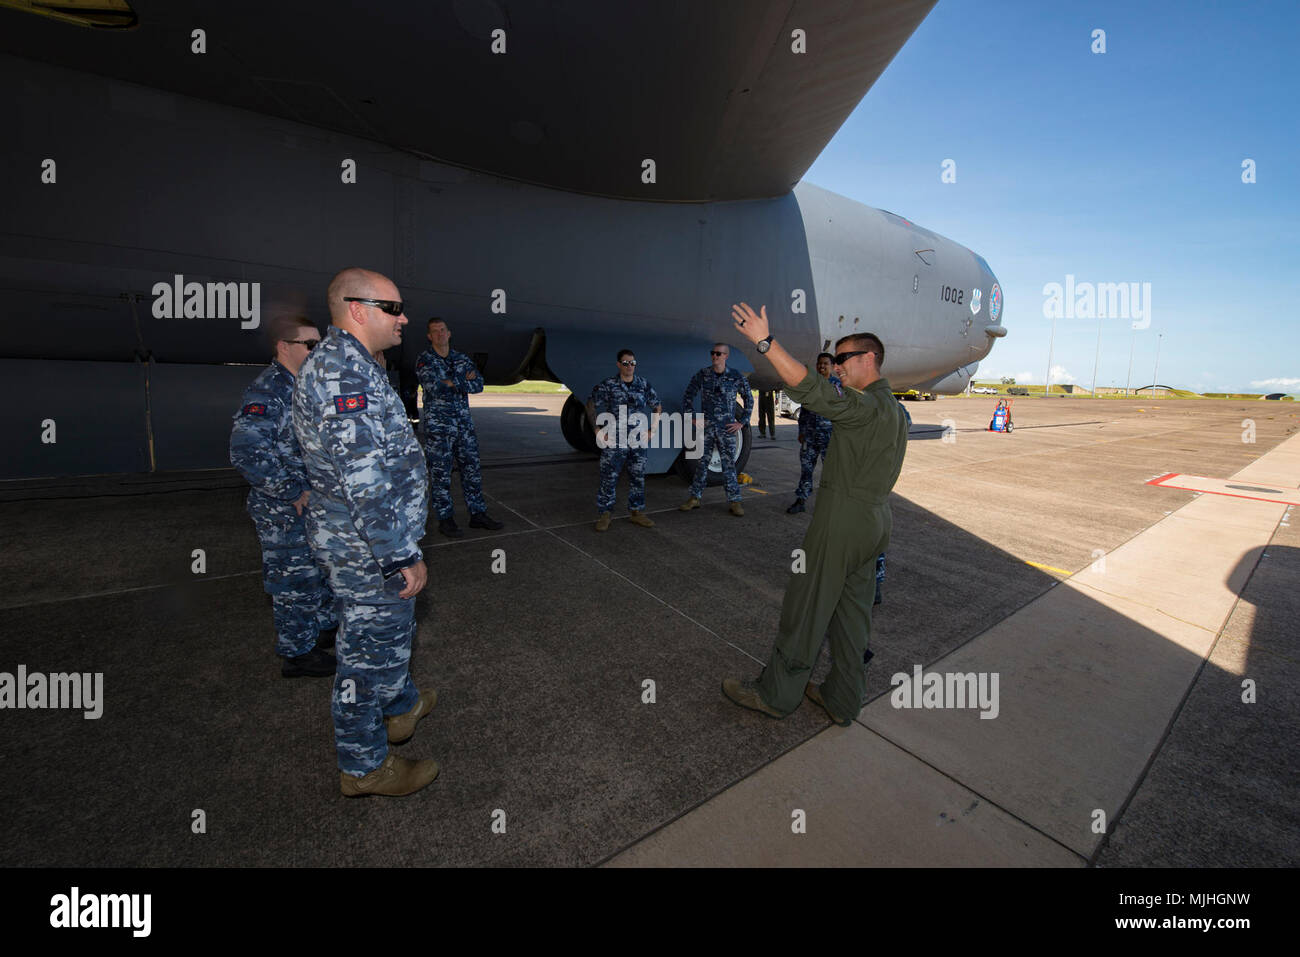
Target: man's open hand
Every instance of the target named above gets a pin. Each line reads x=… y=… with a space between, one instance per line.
x=751 y=325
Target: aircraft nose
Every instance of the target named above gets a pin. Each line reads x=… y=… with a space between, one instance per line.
x=994 y=329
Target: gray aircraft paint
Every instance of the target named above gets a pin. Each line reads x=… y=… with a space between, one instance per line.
x=219 y=194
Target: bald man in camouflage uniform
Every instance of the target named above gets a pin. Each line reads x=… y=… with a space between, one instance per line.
x=849 y=529
x=264 y=450
x=366 y=516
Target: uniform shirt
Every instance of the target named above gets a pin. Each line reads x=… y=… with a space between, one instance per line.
x=445 y=403
x=870 y=439
x=370 y=490
x=718 y=396
x=637 y=396
x=262 y=444
x=811 y=424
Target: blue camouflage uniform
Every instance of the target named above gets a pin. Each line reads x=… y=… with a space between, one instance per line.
x=449 y=438
x=718 y=394
x=264 y=450
x=624 y=400
x=816 y=433
x=369 y=502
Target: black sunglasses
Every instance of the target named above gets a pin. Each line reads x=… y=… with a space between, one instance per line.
x=309 y=343
x=627 y=362
x=843 y=357
x=717 y=353
x=394 y=307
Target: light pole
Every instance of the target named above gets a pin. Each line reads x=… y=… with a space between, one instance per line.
x=1047 y=386
x=1131 y=342
x=1097 y=360
x=1156 y=370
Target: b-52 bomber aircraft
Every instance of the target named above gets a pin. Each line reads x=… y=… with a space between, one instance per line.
x=558 y=179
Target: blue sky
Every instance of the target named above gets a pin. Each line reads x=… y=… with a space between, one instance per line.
x=1122 y=166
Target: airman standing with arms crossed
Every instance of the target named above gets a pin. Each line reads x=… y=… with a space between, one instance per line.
x=623 y=396
x=719 y=388
x=850 y=527
x=448 y=378
x=366 y=516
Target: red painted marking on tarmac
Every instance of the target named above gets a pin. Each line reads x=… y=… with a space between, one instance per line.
x=1287 y=497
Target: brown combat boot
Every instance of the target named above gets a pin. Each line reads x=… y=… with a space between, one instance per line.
x=402 y=726
x=814 y=694
x=736 y=509
x=396 y=777
x=602 y=523
x=745 y=694
x=639 y=518
x=689 y=504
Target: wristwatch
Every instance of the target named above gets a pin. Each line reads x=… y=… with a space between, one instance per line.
x=763 y=345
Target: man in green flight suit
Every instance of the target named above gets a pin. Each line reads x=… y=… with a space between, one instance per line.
x=850 y=527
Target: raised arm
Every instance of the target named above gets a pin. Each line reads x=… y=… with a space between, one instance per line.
x=753 y=326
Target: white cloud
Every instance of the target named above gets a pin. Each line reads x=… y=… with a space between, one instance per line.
x=1024 y=376
x=1275 y=383
x=1060 y=374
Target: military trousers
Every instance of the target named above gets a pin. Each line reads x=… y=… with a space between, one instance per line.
x=813 y=448
x=717 y=437
x=767 y=412
x=301 y=602
x=447 y=449
x=612 y=463
x=831 y=599
x=373 y=679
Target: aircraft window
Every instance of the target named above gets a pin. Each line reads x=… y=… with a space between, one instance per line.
x=103 y=14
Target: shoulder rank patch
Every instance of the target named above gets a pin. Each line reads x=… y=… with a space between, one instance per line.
x=350 y=403
x=254 y=408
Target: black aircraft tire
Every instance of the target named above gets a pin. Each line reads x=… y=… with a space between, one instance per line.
x=686 y=467
x=578 y=432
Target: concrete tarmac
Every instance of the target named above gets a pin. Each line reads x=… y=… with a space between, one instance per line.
x=1121 y=691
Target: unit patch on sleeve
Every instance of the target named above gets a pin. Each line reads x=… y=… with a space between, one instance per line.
x=350 y=403
x=255 y=408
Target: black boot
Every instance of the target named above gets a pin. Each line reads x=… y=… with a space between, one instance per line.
x=484 y=520
x=449 y=527
x=314 y=664
x=796 y=508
